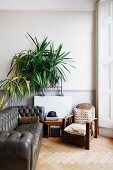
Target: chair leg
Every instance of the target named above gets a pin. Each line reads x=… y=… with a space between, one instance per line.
x=62 y=140
x=87 y=144
x=96 y=128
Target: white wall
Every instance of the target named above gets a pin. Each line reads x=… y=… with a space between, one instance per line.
x=74 y=29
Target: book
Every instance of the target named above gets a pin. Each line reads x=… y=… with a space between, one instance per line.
x=51 y=118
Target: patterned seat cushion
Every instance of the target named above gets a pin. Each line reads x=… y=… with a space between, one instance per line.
x=77 y=129
x=81 y=116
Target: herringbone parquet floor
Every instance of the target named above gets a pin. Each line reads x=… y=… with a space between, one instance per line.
x=57 y=156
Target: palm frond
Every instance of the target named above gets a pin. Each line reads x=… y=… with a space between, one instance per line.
x=33 y=69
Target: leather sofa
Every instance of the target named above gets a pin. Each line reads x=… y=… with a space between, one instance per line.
x=20 y=143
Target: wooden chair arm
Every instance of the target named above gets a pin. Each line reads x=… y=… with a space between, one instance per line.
x=89 y=123
x=69 y=116
x=67 y=121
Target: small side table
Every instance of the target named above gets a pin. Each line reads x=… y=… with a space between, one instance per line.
x=50 y=123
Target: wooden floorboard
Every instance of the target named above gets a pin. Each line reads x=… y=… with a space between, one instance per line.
x=55 y=155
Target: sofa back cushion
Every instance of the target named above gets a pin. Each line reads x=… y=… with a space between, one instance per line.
x=36 y=113
x=9 y=119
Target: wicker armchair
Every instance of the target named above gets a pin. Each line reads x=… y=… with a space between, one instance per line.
x=80 y=127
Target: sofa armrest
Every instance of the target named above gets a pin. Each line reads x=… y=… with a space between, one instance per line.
x=15 y=144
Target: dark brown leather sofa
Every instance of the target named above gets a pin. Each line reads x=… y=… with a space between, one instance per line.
x=20 y=144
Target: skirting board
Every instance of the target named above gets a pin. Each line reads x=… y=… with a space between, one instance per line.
x=106 y=132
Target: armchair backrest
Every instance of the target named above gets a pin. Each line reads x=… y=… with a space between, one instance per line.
x=84 y=112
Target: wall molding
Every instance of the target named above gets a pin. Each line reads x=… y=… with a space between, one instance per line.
x=79 y=91
x=47 y=5
x=57 y=89
x=77 y=96
x=66 y=90
x=48 y=10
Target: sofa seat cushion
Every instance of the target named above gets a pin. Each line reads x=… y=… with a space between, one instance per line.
x=35 y=129
x=77 y=129
x=15 y=144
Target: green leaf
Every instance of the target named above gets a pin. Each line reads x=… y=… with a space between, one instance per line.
x=35 y=68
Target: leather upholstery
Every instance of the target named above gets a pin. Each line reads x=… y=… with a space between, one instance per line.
x=36 y=130
x=9 y=119
x=20 y=144
x=26 y=111
x=15 y=144
x=14 y=164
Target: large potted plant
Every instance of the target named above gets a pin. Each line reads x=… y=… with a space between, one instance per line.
x=34 y=69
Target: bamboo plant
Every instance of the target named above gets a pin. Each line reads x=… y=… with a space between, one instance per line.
x=32 y=70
